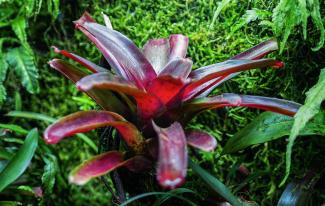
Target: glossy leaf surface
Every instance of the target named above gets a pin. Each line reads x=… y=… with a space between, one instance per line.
x=96 y=166
x=270 y=126
x=228 y=99
x=122 y=54
x=172 y=155
x=201 y=140
x=20 y=161
x=85 y=121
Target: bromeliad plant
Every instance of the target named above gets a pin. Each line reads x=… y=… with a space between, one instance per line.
x=148 y=97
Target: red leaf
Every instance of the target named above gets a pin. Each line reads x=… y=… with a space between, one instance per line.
x=148 y=104
x=104 y=163
x=201 y=140
x=96 y=166
x=106 y=99
x=234 y=100
x=122 y=54
x=172 y=156
x=205 y=74
x=178 y=46
x=85 y=121
x=256 y=52
x=84 y=62
x=165 y=88
x=157 y=52
x=105 y=80
x=138 y=163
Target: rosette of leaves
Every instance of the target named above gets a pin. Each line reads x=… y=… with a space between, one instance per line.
x=148 y=97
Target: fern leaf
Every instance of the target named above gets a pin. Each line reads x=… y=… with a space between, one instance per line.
x=314 y=99
x=3 y=72
x=23 y=63
x=289 y=14
x=19 y=27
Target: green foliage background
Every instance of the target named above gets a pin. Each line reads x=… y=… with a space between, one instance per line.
x=217 y=31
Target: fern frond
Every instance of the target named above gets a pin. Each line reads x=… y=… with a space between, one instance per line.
x=289 y=14
x=23 y=63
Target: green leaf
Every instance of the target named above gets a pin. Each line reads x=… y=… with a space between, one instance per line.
x=20 y=161
x=270 y=126
x=31 y=115
x=172 y=193
x=50 y=170
x=23 y=63
x=18 y=25
x=215 y=184
x=15 y=128
x=314 y=98
x=3 y=72
x=289 y=14
x=9 y=203
x=4 y=154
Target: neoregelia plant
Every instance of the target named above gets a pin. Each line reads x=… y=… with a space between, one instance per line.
x=148 y=97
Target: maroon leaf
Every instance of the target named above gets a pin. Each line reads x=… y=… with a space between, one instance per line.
x=104 y=163
x=172 y=156
x=105 y=80
x=122 y=54
x=178 y=68
x=106 y=99
x=256 y=52
x=148 y=104
x=157 y=52
x=201 y=140
x=96 y=166
x=85 y=121
x=205 y=74
x=68 y=70
x=234 y=100
x=178 y=46
x=84 y=62
x=138 y=163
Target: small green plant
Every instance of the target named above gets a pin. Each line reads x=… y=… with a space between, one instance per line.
x=16 y=54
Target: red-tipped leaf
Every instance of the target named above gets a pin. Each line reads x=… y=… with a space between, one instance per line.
x=205 y=74
x=201 y=140
x=258 y=51
x=80 y=122
x=84 y=62
x=172 y=155
x=234 y=100
x=106 y=99
x=122 y=54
